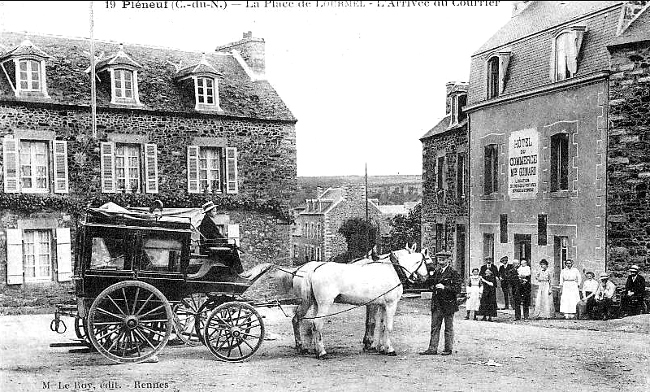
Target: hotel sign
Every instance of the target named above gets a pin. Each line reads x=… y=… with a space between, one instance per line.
x=523 y=164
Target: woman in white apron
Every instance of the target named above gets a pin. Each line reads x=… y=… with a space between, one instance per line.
x=570 y=280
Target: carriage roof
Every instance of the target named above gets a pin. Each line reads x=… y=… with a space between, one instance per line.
x=136 y=219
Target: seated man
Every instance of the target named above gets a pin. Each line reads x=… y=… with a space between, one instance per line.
x=632 y=301
x=604 y=296
x=212 y=236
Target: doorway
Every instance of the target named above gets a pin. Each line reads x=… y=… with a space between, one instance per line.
x=522 y=247
x=460 y=250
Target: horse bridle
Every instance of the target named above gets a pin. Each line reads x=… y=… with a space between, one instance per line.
x=400 y=270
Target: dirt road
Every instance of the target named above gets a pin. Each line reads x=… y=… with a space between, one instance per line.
x=553 y=355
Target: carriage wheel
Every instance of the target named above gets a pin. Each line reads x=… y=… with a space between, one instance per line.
x=186 y=313
x=81 y=329
x=234 y=331
x=130 y=322
x=202 y=314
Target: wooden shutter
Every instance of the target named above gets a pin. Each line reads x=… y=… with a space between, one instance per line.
x=231 y=170
x=10 y=160
x=107 y=151
x=61 y=167
x=14 y=256
x=193 y=169
x=151 y=168
x=63 y=255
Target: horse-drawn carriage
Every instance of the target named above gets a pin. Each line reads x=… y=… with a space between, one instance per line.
x=138 y=280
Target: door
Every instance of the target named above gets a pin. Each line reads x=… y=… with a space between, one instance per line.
x=522 y=247
x=460 y=250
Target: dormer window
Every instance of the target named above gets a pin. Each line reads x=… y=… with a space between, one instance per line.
x=566 y=50
x=205 y=91
x=497 y=67
x=457 y=103
x=121 y=71
x=206 y=86
x=26 y=75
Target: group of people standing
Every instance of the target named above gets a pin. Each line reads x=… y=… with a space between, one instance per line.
x=515 y=279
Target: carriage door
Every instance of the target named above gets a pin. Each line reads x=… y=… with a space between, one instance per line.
x=460 y=250
x=159 y=258
x=522 y=247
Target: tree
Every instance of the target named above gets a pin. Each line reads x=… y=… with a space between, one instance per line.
x=406 y=228
x=360 y=236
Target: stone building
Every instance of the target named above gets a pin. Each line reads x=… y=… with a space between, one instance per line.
x=628 y=168
x=316 y=234
x=549 y=176
x=444 y=178
x=178 y=126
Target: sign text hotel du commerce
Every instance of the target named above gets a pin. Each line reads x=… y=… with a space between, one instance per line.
x=523 y=164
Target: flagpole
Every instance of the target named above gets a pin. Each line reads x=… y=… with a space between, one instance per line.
x=93 y=93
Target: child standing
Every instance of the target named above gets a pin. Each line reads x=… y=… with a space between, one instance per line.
x=473 y=293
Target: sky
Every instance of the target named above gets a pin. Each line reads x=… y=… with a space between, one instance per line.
x=364 y=83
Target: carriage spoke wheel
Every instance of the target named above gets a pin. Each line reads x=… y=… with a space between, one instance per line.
x=234 y=331
x=130 y=322
x=205 y=309
x=186 y=313
x=81 y=330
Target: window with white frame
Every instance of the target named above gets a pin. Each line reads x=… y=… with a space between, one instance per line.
x=123 y=84
x=566 y=50
x=212 y=169
x=30 y=163
x=205 y=91
x=125 y=167
x=29 y=76
x=37 y=255
x=457 y=103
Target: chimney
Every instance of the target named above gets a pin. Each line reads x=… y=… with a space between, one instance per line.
x=519 y=6
x=319 y=192
x=251 y=49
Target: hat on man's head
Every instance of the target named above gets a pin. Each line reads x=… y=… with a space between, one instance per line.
x=208 y=207
x=604 y=275
x=490 y=259
x=504 y=259
x=443 y=253
x=634 y=268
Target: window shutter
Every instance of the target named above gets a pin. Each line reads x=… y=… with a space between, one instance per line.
x=63 y=255
x=10 y=160
x=151 y=168
x=231 y=170
x=14 y=256
x=193 y=169
x=60 y=166
x=107 y=150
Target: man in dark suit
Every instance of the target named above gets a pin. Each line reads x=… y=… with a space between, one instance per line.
x=515 y=285
x=489 y=264
x=446 y=284
x=632 y=299
x=505 y=287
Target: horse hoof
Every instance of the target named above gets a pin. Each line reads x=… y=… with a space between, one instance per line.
x=322 y=357
x=370 y=349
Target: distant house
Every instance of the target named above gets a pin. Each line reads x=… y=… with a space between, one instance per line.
x=315 y=235
x=445 y=180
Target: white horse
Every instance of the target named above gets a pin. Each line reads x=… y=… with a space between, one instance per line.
x=376 y=283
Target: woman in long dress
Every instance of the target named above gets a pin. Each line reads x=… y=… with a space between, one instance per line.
x=544 y=299
x=473 y=293
x=488 y=307
x=570 y=280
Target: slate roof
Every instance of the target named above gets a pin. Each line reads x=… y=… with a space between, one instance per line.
x=639 y=30
x=541 y=15
x=443 y=126
x=68 y=83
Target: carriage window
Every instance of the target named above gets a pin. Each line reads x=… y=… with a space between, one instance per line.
x=107 y=253
x=161 y=254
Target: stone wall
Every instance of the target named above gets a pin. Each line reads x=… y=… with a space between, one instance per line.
x=628 y=160
x=446 y=206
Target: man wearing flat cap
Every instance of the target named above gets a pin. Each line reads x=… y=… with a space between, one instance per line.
x=445 y=284
x=604 y=296
x=632 y=301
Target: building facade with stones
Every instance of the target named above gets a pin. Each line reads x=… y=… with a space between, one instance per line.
x=444 y=179
x=628 y=159
x=541 y=131
x=316 y=234
x=178 y=126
